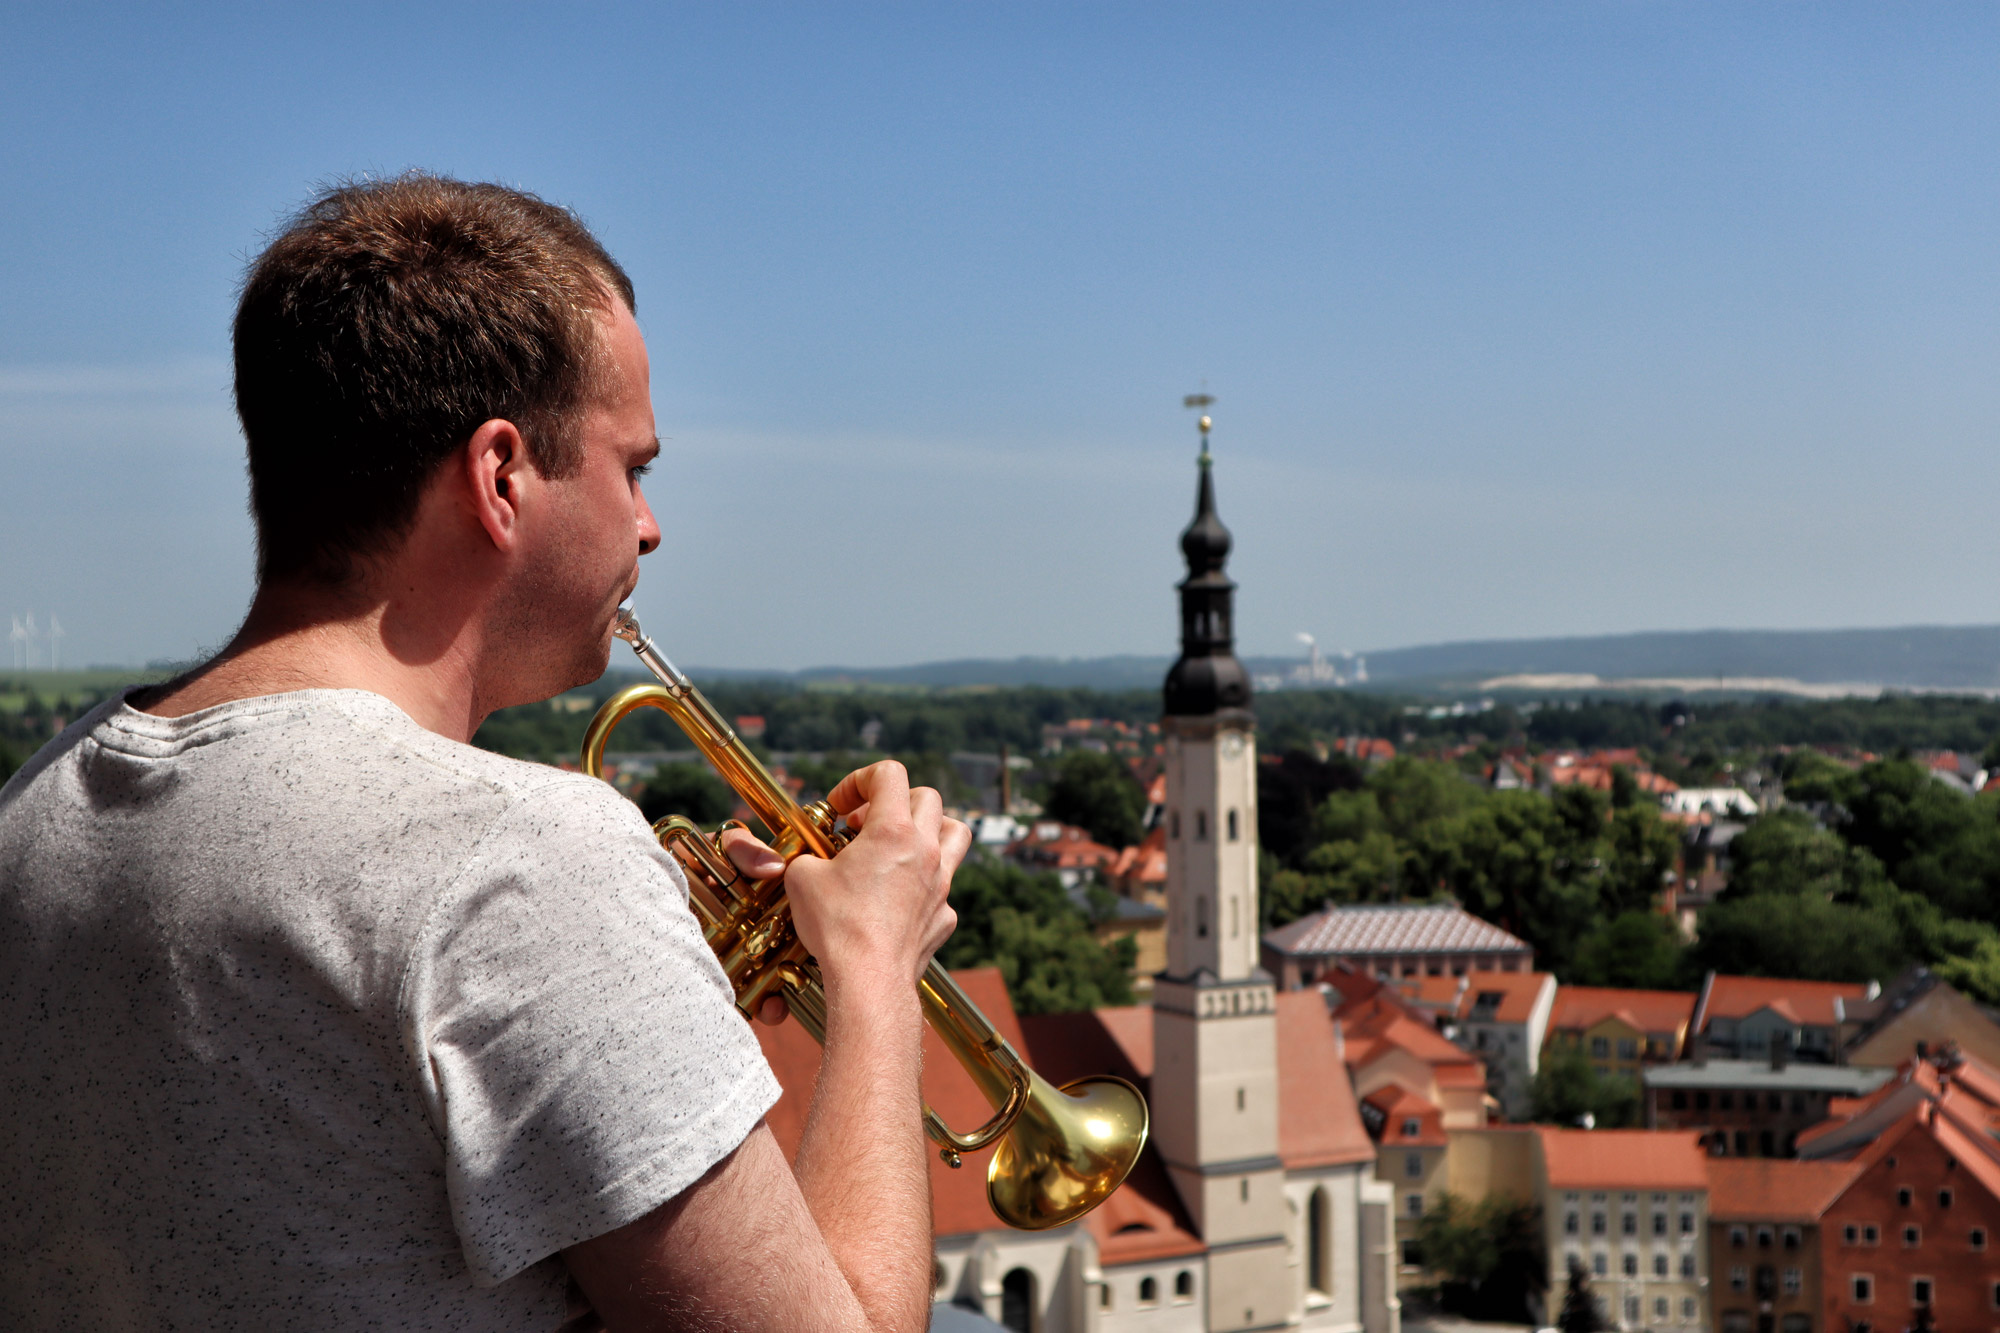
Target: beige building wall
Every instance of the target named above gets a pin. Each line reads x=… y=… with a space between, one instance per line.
x=1211 y=849
x=1684 y=1288
x=1487 y=1162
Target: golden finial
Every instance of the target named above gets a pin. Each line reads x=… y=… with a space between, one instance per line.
x=1198 y=400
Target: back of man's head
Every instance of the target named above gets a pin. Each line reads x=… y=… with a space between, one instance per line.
x=387 y=322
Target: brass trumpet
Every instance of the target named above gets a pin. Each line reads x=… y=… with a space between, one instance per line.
x=1061 y=1151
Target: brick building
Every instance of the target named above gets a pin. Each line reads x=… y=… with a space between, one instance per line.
x=1750 y=1108
x=1920 y=1224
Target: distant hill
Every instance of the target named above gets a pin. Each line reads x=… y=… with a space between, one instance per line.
x=1921 y=657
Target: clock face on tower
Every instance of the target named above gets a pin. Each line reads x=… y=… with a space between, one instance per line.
x=1232 y=744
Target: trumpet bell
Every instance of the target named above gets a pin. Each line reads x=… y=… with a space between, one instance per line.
x=1066 y=1152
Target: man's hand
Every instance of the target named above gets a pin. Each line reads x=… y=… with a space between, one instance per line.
x=879 y=911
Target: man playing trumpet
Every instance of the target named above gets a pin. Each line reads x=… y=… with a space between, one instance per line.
x=320 y=1017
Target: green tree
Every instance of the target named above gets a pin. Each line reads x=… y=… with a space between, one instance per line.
x=1580 y=1311
x=1098 y=794
x=1029 y=928
x=1643 y=950
x=686 y=789
x=1568 y=1087
x=1798 y=935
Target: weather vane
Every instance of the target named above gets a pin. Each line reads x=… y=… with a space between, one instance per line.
x=1200 y=400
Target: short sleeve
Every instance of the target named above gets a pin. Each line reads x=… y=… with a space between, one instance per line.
x=580 y=1047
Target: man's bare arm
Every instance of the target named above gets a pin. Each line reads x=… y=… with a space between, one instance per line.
x=843 y=1240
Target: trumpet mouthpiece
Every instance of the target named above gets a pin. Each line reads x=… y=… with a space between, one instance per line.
x=626 y=625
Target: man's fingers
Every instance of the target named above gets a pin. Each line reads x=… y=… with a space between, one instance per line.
x=751 y=856
x=954 y=841
x=773 y=1010
x=926 y=808
x=883 y=782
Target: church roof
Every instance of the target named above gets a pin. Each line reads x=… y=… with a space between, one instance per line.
x=1318 y=1122
x=1358 y=931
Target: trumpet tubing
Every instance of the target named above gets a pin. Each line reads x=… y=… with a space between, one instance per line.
x=1061 y=1151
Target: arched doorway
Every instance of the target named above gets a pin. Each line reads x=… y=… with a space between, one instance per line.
x=1017 y=1300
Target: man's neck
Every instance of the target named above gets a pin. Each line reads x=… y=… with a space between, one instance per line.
x=296 y=639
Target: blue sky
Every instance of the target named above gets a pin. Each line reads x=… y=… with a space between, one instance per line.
x=1523 y=319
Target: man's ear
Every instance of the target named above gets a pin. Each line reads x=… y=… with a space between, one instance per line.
x=495 y=461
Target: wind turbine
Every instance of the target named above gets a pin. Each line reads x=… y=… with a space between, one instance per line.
x=31 y=640
x=17 y=638
x=55 y=642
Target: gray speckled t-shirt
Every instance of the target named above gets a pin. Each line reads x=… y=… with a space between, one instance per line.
x=310 y=1018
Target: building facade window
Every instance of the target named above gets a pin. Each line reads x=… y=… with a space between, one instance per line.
x=1763 y=1238
x=1944 y=1198
x=1233 y=833
x=1572 y=1224
x=1687 y=1224
x=1912 y=1237
x=1794 y=1281
x=1600 y=1047
x=1629 y=1224
x=1687 y=1265
x=1318 y=1245
x=1631 y=1265
x=1659 y=1265
x=1413 y=1206
x=1739 y=1278
x=1413 y=1165
x=1978 y=1238
x=1791 y=1238
x=1598 y=1225
x=1738 y=1237
x=1184 y=1285
x=1920 y=1291
x=1600 y=1265
x=1149 y=1291
x=1861 y=1289
x=1659 y=1224
x=1903 y=1197
x=1017 y=1301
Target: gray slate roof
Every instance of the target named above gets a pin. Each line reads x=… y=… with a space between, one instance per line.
x=1845 y=1080
x=1427 y=928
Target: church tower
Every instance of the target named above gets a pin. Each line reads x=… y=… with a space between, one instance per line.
x=1215 y=1065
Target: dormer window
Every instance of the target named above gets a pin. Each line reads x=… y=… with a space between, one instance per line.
x=1412 y=1127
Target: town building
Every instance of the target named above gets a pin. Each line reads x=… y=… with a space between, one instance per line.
x=1916 y=1008
x=1430 y=939
x=1254 y=1205
x=1620 y=1031
x=1630 y=1206
x=1742 y=1016
x=1914 y=1235
x=1765 y=1241
x=1503 y=1018
x=1750 y=1108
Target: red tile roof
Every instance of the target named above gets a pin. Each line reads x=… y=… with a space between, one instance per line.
x=1775 y=1189
x=1517 y=991
x=1594 y=1159
x=1145 y=1220
x=1318 y=1122
x=1580 y=1007
x=1806 y=1002
x=1399 y=1105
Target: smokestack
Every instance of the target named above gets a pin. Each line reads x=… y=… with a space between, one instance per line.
x=1006 y=782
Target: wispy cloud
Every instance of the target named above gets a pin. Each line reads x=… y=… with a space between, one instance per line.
x=208 y=374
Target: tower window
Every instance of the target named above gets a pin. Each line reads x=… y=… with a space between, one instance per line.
x=1233 y=834
x=1201 y=918
x=1173 y=824
x=1201 y=826
x=1243 y=1188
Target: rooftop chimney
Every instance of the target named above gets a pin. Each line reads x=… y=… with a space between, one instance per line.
x=1781 y=1049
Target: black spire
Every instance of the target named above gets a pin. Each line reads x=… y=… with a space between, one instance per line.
x=1207 y=680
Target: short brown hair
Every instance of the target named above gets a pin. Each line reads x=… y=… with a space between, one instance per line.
x=387 y=321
